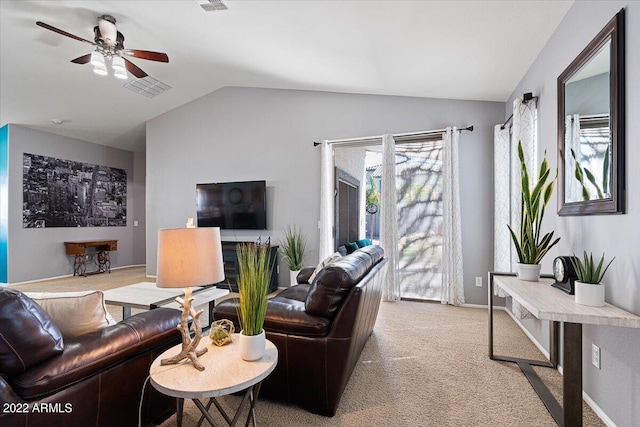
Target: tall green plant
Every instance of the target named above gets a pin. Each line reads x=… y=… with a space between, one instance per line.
x=253 y=284
x=586 y=269
x=530 y=245
x=293 y=247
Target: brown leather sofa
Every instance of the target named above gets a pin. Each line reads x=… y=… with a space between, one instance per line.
x=95 y=379
x=320 y=329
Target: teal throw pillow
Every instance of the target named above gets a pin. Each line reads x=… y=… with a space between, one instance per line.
x=363 y=242
x=351 y=247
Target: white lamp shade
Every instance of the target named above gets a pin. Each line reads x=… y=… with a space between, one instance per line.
x=100 y=70
x=120 y=73
x=97 y=59
x=117 y=63
x=189 y=257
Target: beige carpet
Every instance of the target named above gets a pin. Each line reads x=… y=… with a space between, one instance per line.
x=425 y=365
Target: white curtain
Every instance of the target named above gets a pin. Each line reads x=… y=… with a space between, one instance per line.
x=502 y=198
x=388 y=219
x=508 y=183
x=327 y=246
x=452 y=277
x=525 y=123
x=572 y=187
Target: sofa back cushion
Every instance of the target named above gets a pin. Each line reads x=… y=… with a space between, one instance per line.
x=75 y=313
x=334 y=282
x=374 y=251
x=28 y=336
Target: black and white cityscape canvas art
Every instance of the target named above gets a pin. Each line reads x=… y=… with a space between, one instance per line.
x=66 y=193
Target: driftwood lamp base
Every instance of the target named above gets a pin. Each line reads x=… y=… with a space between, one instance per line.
x=189 y=346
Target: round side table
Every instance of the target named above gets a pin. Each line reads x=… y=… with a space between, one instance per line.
x=225 y=373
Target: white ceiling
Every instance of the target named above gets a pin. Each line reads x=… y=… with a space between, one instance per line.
x=475 y=50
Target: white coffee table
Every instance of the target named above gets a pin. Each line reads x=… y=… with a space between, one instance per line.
x=147 y=296
x=225 y=373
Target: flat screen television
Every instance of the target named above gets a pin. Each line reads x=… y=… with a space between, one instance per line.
x=232 y=205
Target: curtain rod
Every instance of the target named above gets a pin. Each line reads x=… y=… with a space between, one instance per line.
x=395 y=135
x=526 y=97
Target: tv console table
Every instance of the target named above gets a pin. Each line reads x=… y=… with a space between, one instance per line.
x=547 y=303
x=100 y=258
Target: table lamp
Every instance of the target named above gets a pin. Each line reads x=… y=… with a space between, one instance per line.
x=189 y=257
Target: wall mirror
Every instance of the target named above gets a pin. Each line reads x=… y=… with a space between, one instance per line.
x=591 y=127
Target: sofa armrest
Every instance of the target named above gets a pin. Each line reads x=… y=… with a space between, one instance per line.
x=304 y=274
x=91 y=353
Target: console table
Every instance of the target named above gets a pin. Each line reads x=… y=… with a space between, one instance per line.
x=547 y=303
x=100 y=258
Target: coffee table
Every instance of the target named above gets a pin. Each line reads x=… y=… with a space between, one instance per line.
x=225 y=373
x=147 y=296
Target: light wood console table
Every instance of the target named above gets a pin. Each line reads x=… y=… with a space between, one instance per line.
x=547 y=303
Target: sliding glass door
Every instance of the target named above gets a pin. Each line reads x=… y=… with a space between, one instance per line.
x=419 y=186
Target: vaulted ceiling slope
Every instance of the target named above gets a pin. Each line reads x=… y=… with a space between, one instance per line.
x=474 y=50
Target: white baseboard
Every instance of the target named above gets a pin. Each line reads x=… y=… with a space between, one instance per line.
x=528 y=334
x=478 y=306
x=599 y=412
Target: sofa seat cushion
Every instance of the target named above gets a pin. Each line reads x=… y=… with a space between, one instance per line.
x=334 y=282
x=94 y=352
x=75 y=313
x=284 y=315
x=28 y=336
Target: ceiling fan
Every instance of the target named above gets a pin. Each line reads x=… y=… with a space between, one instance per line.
x=109 y=44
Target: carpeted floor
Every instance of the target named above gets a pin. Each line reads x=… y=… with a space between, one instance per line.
x=425 y=365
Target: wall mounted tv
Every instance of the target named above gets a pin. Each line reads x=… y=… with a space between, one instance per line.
x=232 y=205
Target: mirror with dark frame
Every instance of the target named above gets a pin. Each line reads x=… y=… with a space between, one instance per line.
x=591 y=127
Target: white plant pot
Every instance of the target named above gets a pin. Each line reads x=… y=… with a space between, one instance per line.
x=589 y=294
x=251 y=347
x=292 y=277
x=528 y=272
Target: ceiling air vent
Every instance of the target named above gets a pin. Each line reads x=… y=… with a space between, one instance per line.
x=147 y=86
x=212 y=5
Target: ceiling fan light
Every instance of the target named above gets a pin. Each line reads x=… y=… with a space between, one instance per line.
x=120 y=73
x=97 y=59
x=100 y=71
x=117 y=63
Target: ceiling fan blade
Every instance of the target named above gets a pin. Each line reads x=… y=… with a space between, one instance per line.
x=64 y=33
x=147 y=54
x=134 y=69
x=82 y=59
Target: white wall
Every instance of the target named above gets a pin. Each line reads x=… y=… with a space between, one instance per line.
x=247 y=133
x=40 y=253
x=616 y=387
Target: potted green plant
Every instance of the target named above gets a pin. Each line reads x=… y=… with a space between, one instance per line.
x=253 y=285
x=589 y=289
x=531 y=245
x=293 y=248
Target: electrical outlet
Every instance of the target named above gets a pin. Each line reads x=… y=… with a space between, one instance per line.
x=595 y=356
x=479 y=281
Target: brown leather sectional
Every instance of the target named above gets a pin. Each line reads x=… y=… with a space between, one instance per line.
x=95 y=379
x=320 y=329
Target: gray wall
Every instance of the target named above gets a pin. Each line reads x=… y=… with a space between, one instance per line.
x=616 y=387
x=40 y=253
x=247 y=133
